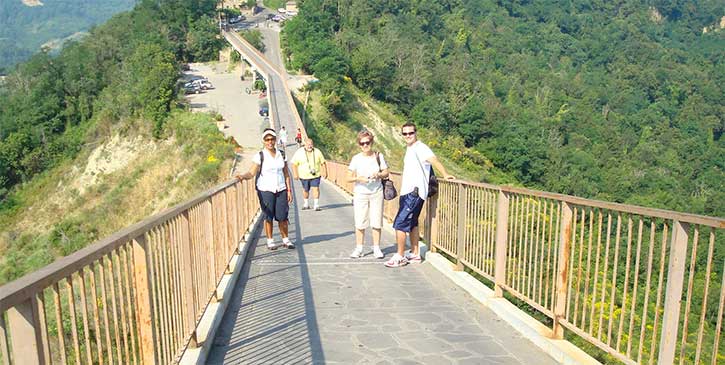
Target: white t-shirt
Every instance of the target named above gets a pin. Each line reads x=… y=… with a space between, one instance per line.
x=416 y=169
x=365 y=166
x=283 y=135
x=272 y=176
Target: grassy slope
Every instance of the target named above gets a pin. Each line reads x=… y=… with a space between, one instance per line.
x=51 y=218
x=384 y=122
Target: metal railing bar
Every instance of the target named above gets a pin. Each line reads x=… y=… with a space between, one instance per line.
x=688 y=302
x=597 y=342
x=665 y=229
x=632 y=311
x=703 y=311
x=528 y=301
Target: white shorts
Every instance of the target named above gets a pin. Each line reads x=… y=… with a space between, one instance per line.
x=368 y=210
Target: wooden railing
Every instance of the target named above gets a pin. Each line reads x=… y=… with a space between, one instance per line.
x=135 y=297
x=644 y=285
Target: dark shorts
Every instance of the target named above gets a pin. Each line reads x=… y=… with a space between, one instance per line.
x=274 y=205
x=408 y=212
x=311 y=183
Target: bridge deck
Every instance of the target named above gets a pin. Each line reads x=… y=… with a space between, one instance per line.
x=316 y=305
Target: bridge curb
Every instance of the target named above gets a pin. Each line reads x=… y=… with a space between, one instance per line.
x=212 y=317
x=560 y=350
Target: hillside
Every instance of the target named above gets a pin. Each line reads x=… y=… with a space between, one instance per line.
x=619 y=101
x=112 y=184
x=28 y=25
x=98 y=136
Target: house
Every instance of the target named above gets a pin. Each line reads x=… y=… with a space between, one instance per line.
x=291 y=6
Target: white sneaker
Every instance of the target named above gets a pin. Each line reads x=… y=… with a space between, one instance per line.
x=357 y=252
x=288 y=244
x=413 y=259
x=378 y=253
x=396 y=261
x=271 y=245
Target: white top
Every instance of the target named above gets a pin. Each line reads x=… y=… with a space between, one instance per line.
x=283 y=134
x=366 y=166
x=416 y=169
x=272 y=177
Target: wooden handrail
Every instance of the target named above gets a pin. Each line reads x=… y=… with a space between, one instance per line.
x=23 y=288
x=714 y=222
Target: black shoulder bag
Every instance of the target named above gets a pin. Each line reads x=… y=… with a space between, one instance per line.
x=389 y=191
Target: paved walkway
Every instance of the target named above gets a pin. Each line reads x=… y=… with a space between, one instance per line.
x=315 y=305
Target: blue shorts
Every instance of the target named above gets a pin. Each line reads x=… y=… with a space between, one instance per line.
x=273 y=205
x=310 y=183
x=410 y=207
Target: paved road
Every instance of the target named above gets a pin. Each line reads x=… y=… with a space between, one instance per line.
x=229 y=99
x=280 y=106
x=316 y=305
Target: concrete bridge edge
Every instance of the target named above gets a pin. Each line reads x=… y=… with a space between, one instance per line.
x=212 y=317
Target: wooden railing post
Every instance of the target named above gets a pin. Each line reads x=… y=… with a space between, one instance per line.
x=673 y=294
x=502 y=218
x=562 y=272
x=26 y=342
x=144 y=311
x=460 y=237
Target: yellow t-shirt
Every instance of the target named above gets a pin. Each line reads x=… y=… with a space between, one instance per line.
x=308 y=163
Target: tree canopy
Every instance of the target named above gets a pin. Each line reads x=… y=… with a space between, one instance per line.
x=120 y=71
x=615 y=100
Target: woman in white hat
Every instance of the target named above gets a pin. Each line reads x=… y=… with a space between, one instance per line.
x=274 y=187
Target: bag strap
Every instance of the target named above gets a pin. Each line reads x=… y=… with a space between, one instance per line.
x=421 y=164
x=377 y=158
x=261 y=161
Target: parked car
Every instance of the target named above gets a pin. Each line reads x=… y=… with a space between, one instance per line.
x=237 y=19
x=191 y=88
x=264 y=111
x=270 y=16
x=281 y=10
x=277 y=18
x=203 y=84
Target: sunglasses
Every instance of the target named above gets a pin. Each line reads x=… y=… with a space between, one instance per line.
x=365 y=143
x=269 y=139
x=405 y=134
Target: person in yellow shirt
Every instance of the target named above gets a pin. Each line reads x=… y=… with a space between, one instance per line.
x=308 y=165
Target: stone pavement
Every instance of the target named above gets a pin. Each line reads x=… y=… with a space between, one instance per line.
x=315 y=305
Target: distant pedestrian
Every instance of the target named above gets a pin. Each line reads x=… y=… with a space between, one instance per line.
x=366 y=170
x=309 y=166
x=417 y=164
x=273 y=187
x=283 y=137
x=298 y=137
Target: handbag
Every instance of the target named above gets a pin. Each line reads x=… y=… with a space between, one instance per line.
x=432 y=180
x=389 y=191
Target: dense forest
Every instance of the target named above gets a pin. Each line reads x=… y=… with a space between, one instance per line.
x=26 y=28
x=613 y=100
x=126 y=69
